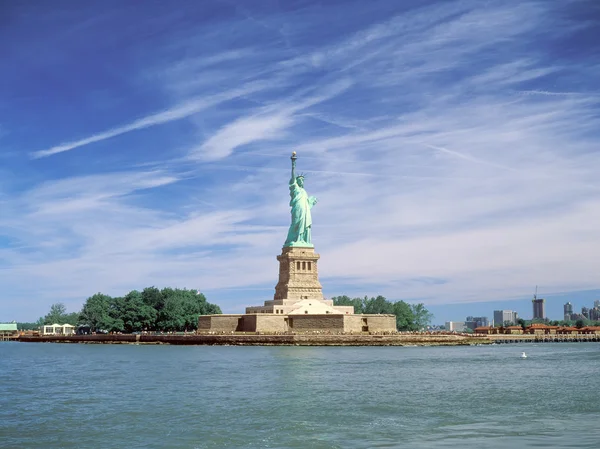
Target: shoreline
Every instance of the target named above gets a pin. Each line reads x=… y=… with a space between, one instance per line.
x=266 y=340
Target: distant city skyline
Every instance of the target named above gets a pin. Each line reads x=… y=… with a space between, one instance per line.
x=554 y=307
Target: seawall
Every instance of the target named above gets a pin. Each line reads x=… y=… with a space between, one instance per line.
x=268 y=340
x=544 y=338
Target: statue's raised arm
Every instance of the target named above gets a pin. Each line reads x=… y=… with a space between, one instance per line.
x=293 y=178
x=299 y=233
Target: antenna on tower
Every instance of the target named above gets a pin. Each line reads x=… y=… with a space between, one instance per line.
x=535 y=294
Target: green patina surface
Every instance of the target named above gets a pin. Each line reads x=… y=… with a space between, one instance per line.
x=299 y=234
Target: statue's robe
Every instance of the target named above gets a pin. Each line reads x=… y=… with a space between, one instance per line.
x=301 y=225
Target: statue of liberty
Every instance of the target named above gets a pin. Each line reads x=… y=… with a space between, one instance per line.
x=301 y=204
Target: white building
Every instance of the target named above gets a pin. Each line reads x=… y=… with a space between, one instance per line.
x=455 y=326
x=503 y=316
x=58 y=329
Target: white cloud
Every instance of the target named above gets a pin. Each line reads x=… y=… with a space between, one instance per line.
x=176 y=112
x=241 y=132
x=270 y=123
x=436 y=144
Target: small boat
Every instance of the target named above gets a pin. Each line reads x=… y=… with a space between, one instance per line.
x=523 y=355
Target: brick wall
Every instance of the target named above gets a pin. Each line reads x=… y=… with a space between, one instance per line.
x=381 y=323
x=353 y=323
x=270 y=323
x=306 y=323
x=218 y=323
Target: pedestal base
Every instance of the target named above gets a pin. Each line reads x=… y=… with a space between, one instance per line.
x=268 y=323
x=298 y=274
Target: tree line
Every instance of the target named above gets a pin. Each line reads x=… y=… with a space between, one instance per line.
x=169 y=309
x=409 y=317
x=178 y=310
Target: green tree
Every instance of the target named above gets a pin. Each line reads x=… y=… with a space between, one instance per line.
x=409 y=317
x=170 y=317
x=422 y=316
x=579 y=324
x=405 y=319
x=194 y=305
x=56 y=314
x=357 y=303
x=182 y=308
x=135 y=314
x=153 y=297
x=95 y=312
x=28 y=326
x=151 y=309
x=378 y=305
x=71 y=318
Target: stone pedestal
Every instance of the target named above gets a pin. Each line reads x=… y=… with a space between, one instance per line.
x=298 y=305
x=298 y=275
x=299 y=289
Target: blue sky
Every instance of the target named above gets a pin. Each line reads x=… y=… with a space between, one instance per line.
x=453 y=147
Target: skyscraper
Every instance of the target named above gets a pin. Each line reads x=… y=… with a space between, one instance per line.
x=585 y=312
x=539 y=309
x=568 y=311
x=504 y=316
x=473 y=322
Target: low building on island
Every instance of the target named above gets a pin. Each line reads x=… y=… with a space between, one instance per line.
x=8 y=330
x=541 y=329
x=58 y=329
x=567 y=330
x=538 y=329
x=298 y=305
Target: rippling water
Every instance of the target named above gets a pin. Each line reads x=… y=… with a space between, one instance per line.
x=128 y=396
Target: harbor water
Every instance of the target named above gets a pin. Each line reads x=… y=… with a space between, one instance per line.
x=146 y=396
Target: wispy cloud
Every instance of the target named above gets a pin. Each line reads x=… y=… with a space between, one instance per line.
x=269 y=123
x=454 y=141
x=241 y=132
x=177 y=112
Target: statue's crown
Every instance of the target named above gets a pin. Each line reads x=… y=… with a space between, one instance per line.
x=301 y=175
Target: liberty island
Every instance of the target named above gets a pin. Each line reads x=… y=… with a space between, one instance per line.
x=298 y=304
x=298 y=314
